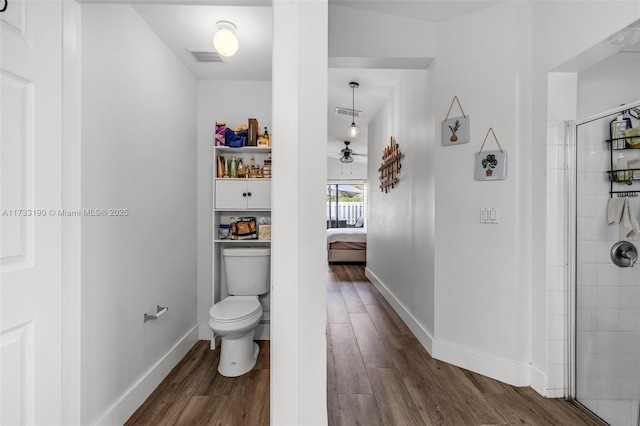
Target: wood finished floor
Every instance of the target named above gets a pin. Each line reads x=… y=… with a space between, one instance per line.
x=377 y=374
x=194 y=393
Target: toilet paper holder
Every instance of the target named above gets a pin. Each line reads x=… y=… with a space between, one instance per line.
x=160 y=311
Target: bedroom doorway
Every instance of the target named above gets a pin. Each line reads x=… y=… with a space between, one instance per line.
x=345 y=205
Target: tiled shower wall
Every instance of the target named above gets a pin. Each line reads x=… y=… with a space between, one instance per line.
x=608 y=297
x=557 y=269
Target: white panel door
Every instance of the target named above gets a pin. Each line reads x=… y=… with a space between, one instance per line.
x=30 y=195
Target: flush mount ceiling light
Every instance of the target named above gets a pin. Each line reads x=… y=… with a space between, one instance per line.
x=225 y=40
x=354 y=130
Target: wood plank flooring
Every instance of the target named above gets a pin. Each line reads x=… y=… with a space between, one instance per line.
x=194 y=393
x=377 y=374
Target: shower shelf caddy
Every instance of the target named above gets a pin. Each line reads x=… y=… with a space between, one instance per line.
x=613 y=173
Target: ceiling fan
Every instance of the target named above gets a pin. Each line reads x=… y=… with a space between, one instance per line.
x=347 y=153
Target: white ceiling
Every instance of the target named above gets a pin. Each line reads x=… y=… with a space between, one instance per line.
x=375 y=87
x=183 y=27
x=193 y=26
x=424 y=10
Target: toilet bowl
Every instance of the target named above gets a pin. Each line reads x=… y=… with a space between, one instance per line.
x=234 y=319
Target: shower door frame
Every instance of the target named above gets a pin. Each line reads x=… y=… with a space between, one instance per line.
x=571 y=238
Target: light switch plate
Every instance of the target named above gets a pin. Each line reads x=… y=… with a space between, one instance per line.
x=489 y=215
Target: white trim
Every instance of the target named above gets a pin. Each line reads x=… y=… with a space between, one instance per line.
x=608 y=112
x=71 y=226
x=132 y=398
x=205 y=332
x=538 y=381
x=513 y=373
x=423 y=335
x=570 y=283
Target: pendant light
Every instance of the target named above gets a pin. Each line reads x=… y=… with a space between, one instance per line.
x=354 y=129
x=225 y=40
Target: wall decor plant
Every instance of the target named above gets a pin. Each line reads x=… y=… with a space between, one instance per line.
x=491 y=165
x=390 y=167
x=455 y=131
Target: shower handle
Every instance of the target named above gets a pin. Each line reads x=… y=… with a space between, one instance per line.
x=624 y=254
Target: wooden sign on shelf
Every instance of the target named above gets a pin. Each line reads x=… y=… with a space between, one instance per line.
x=390 y=167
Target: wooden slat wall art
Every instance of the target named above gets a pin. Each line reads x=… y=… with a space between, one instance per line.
x=390 y=167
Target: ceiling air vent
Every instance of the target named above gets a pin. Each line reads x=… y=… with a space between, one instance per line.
x=206 y=55
x=348 y=111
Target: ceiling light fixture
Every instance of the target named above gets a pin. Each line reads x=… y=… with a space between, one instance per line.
x=225 y=40
x=346 y=153
x=354 y=130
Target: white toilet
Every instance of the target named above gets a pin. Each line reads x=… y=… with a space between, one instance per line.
x=235 y=318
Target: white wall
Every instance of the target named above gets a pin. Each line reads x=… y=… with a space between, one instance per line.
x=490 y=298
x=608 y=84
x=232 y=102
x=138 y=153
x=363 y=34
x=481 y=284
x=298 y=298
x=401 y=221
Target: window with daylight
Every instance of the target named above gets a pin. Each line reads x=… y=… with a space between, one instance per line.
x=346 y=205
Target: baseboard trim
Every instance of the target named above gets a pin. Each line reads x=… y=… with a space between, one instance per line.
x=205 y=332
x=133 y=397
x=422 y=334
x=516 y=374
x=539 y=381
x=513 y=373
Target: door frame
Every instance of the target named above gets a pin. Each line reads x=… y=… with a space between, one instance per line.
x=571 y=147
x=71 y=226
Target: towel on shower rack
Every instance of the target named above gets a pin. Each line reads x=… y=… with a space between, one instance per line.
x=619 y=211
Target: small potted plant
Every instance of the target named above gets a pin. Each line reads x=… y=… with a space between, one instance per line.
x=454 y=129
x=489 y=163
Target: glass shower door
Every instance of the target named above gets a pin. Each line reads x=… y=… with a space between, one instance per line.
x=607 y=323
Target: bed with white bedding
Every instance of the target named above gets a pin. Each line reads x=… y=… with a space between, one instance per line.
x=347 y=245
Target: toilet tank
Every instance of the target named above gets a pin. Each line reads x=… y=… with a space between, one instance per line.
x=247 y=270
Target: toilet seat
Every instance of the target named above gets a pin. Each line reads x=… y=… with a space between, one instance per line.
x=235 y=308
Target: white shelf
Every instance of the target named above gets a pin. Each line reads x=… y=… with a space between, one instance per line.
x=237 y=179
x=244 y=149
x=230 y=241
x=231 y=198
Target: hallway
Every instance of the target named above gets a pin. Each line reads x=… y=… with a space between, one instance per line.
x=379 y=374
